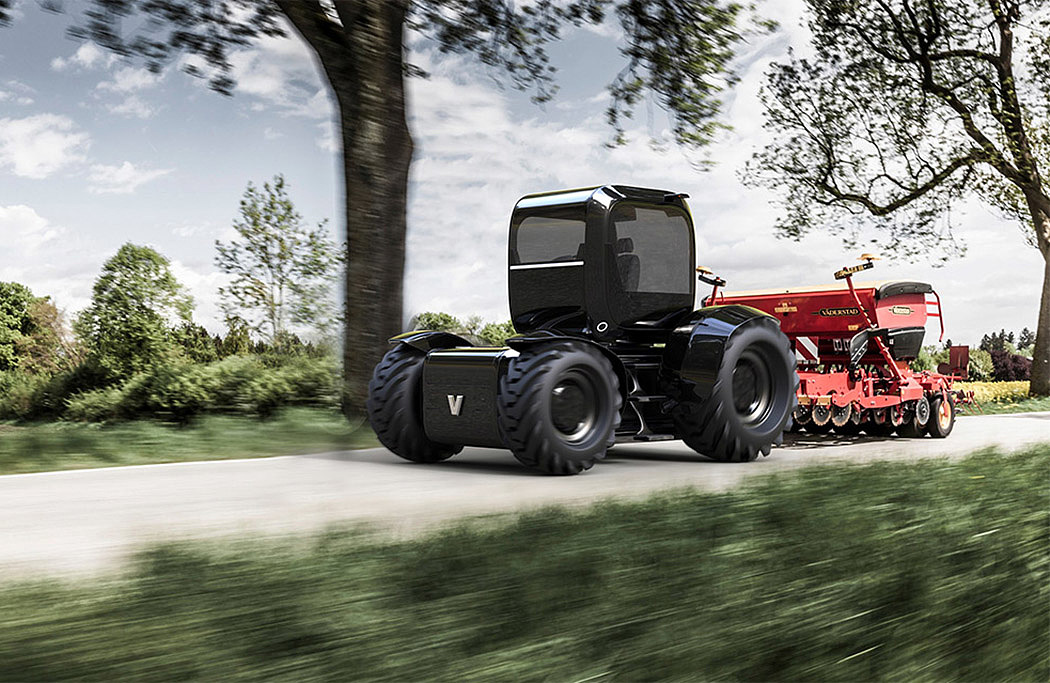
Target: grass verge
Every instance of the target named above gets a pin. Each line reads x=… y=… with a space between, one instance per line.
x=932 y=570
x=68 y=445
x=1027 y=405
x=996 y=398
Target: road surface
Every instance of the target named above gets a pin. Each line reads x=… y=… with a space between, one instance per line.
x=92 y=520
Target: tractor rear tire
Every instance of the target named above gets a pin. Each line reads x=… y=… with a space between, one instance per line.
x=942 y=416
x=559 y=406
x=395 y=407
x=751 y=400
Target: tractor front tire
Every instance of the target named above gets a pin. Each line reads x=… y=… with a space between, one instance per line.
x=751 y=400
x=559 y=406
x=395 y=407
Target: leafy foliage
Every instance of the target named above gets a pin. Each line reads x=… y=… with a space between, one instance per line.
x=1010 y=367
x=15 y=321
x=474 y=329
x=439 y=322
x=281 y=270
x=181 y=392
x=930 y=571
x=133 y=304
x=981 y=368
x=496 y=334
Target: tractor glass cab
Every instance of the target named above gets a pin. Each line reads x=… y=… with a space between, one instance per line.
x=600 y=260
x=652 y=253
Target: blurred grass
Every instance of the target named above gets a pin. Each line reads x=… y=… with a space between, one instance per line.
x=926 y=571
x=68 y=445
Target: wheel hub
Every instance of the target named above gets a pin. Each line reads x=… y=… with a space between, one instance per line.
x=573 y=406
x=752 y=387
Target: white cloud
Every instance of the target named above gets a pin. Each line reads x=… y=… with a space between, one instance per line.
x=129 y=79
x=37 y=146
x=16 y=92
x=44 y=257
x=87 y=56
x=123 y=179
x=280 y=73
x=202 y=283
x=132 y=106
x=24 y=229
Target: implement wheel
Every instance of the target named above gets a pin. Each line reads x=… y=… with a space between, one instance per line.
x=916 y=420
x=395 y=406
x=559 y=407
x=942 y=416
x=751 y=400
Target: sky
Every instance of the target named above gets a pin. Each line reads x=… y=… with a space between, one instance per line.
x=96 y=152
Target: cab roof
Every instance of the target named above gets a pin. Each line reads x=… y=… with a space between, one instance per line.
x=581 y=195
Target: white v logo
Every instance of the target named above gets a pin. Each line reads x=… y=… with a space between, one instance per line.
x=454 y=404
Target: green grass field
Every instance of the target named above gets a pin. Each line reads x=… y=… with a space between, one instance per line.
x=71 y=445
x=926 y=571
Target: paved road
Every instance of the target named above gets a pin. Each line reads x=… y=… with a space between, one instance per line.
x=91 y=520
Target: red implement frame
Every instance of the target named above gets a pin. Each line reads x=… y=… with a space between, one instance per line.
x=825 y=323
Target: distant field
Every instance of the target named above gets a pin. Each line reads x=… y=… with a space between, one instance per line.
x=923 y=571
x=69 y=445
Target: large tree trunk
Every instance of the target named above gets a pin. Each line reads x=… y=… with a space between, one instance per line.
x=1040 y=385
x=377 y=151
x=364 y=62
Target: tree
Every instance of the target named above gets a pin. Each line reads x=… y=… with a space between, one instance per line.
x=15 y=321
x=134 y=304
x=49 y=347
x=678 y=51
x=196 y=343
x=496 y=334
x=908 y=108
x=1025 y=339
x=282 y=271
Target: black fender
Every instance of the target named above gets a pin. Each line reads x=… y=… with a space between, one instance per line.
x=522 y=341
x=428 y=340
x=694 y=350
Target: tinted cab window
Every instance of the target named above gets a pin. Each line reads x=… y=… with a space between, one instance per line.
x=651 y=250
x=545 y=239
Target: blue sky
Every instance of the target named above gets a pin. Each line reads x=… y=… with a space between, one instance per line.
x=95 y=152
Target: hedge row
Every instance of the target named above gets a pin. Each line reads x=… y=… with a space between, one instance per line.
x=996 y=392
x=177 y=391
x=241 y=384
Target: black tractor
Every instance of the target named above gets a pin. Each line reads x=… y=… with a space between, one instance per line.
x=609 y=348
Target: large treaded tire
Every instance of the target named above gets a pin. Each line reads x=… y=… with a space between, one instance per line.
x=715 y=428
x=526 y=398
x=395 y=407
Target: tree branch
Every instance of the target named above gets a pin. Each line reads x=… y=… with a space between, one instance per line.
x=915 y=193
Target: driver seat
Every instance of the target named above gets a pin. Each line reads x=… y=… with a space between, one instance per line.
x=628 y=265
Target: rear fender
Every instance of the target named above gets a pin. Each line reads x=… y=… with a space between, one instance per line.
x=523 y=341
x=695 y=348
x=428 y=340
